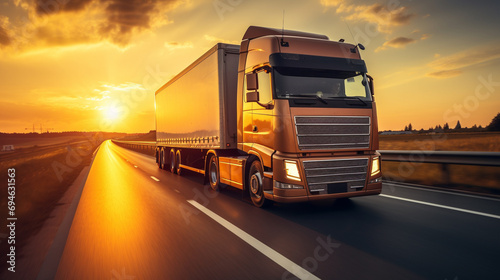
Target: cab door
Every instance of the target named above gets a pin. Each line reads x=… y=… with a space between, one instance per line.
x=262 y=117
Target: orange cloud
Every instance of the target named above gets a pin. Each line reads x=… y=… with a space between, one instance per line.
x=454 y=64
x=444 y=74
x=61 y=23
x=43 y=7
x=386 y=17
x=398 y=43
x=4 y=35
x=178 y=45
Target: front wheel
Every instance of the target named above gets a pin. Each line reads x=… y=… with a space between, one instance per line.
x=255 y=185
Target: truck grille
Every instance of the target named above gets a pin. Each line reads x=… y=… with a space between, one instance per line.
x=335 y=176
x=333 y=132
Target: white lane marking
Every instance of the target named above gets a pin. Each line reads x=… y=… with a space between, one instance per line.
x=422 y=187
x=278 y=258
x=443 y=206
x=135 y=166
x=154 y=178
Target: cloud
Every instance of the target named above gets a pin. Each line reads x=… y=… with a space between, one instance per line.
x=5 y=39
x=177 y=45
x=43 y=7
x=454 y=64
x=52 y=23
x=444 y=74
x=402 y=42
x=386 y=17
x=425 y=37
x=398 y=43
x=213 y=39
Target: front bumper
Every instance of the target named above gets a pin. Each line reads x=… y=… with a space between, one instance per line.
x=326 y=178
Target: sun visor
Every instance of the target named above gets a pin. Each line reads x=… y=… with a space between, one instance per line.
x=291 y=60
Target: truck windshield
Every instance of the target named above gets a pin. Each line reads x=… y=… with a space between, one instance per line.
x=304 y=83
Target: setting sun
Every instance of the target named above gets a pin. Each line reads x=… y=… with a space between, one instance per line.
x=111 y=113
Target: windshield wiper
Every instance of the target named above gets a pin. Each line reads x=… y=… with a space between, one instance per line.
x=308 y=96
x=349 y=97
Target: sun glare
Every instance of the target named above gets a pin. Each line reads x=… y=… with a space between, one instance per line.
x=111 y=113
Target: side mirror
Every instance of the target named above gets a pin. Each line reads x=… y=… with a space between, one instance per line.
x=253 y=96
x=252 y=83
x=370 y=83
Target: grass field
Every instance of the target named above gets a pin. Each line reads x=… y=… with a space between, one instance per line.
x=472 y=178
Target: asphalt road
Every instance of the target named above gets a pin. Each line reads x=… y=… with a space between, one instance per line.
x=135 y=221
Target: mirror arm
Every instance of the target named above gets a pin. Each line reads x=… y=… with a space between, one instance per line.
x=267 y=106
x=371 y=84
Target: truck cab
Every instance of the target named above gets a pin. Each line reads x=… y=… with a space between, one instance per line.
x=307 y=115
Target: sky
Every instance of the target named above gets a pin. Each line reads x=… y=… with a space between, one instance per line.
x=94 y=65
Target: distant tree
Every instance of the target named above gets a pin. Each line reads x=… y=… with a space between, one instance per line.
x=406 y=128
x=431 y=129
x=480 y=127
x=410 y=128
x=494 y=124
x=458 y=126
x=446 y=126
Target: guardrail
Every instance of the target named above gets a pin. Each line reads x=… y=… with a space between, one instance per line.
x=147 y=147
x=445 y=158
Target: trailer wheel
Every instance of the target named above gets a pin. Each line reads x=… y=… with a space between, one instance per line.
x=255 y=185
x=158 y=157
x=172 y=161
x=178 y=162
x=213 y=173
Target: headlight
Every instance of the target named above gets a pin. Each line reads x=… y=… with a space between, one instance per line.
x=280 y=185
x=292 y=171
x=375 y=166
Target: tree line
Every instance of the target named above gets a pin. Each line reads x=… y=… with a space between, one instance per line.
x=493 y=126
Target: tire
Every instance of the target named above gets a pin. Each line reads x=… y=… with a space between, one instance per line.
x=172 y=161
x=159 y=154
x=178 y=168
x=255 y=185
x=214 y=173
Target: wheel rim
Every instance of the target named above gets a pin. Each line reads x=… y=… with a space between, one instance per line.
x=256 y=184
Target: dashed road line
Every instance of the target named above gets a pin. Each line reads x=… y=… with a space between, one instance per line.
x=154 y=178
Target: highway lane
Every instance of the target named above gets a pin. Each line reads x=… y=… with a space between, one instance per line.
x=129 y=224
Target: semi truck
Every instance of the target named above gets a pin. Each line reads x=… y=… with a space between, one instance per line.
x=286 y=116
